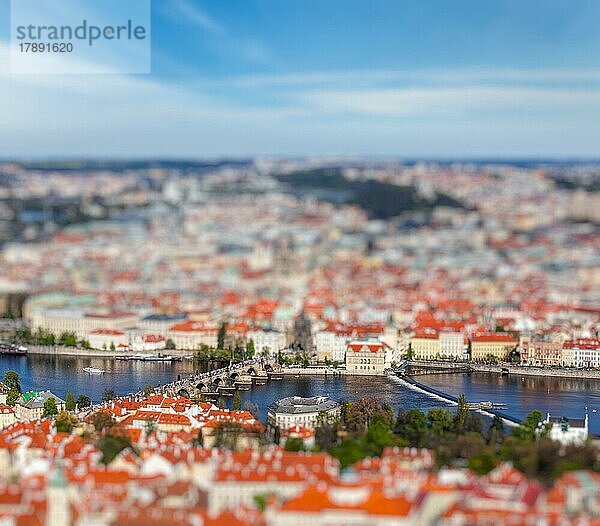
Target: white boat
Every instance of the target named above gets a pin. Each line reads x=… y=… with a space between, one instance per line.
x=93 y=370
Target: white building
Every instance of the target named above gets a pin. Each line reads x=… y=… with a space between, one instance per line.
x=366 y=357
x=7 y=416
x=331 y=345
x=107 y=339
x=299 y=411
x=58 y=321
x=567 y=430
x=267 y=339
x=452 y=345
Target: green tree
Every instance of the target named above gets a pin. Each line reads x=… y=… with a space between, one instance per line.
x=108 y=395
x=440 y=421
x=462 y=412
x=148 y=390
x=50 y=408
x=12 y=397
x=102 y=421
x=111 y=446
x=474 y=423
x=250 y=348
x=112 y=346
x=414 y=428
x=294 y=444
x=221 y=402
x=483 y=462
x=65 y=422
x=496 y=431
x=12 y=380
x=83 y=401
x=221 y=336
x=237 y=400
x=531 y=428
x=68 y=339
x=85 y=344
x=170 y=344
x=70 y=402
x=348 y=452
x=377 y=437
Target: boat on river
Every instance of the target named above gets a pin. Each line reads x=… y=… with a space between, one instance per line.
x=93 y=370
x=13 y=349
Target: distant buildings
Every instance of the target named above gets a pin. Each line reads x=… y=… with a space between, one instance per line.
x=492 y=345
x=30 y=405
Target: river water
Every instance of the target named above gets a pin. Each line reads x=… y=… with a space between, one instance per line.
x=568 y=397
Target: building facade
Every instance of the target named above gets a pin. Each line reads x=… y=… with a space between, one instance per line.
x=366 y=357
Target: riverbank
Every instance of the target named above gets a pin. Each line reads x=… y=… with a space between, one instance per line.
x=308 y=371
x=438 y=367
x=57 y=350
x=518 y=370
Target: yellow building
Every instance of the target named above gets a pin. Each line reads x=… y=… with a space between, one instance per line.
x=483 y=346
x=425 y=346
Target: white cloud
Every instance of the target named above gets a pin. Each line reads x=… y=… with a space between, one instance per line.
x=399 y=102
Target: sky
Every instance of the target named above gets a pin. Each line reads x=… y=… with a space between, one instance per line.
x=406 y=79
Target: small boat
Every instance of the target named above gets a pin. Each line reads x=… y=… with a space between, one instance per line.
x=12 y=349
x=93 y=370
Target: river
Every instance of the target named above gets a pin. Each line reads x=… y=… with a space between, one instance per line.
x=560 y=396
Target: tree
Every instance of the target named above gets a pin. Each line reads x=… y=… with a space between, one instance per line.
x=12 y=380
x=440 y=421
x=12 y=397
x=474 y=423
x=50 y=408
x=65 y=422
x=68 y=339
x=70 y=402
x=531 y=428
x=325 y=435
x=483 y=462
x=108 y=395
x=221 y=403
x=237 y=400
x=170 y=344
x=148 y=390
x=111 y=446
x=83 y=401
x=102 y=421
x=250 y=348
x=85 y=344
x=348 y=452
x=294 y=444
x=221 y=336
x=462 y=412
x=112 y=346
x=377 y=437
x=415 y=427
x=496 y=431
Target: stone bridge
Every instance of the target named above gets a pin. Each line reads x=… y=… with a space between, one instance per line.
x=223 y=381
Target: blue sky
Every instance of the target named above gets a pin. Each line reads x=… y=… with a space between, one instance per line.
x=398 y=78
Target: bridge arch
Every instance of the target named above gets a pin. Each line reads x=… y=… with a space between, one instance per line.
x=268 y=368
x=183 y=392
x=251 y=371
